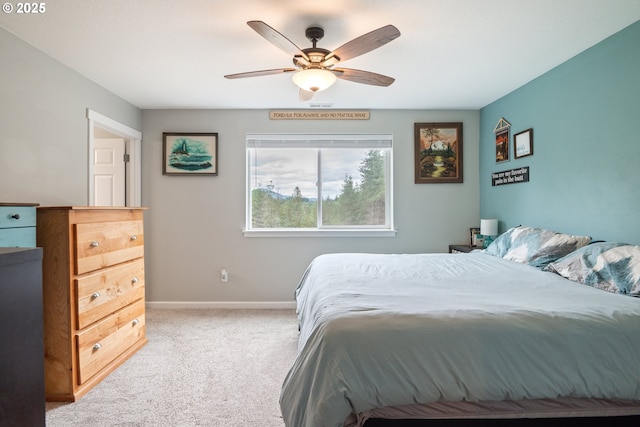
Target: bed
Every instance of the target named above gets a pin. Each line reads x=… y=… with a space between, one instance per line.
x=520 y=330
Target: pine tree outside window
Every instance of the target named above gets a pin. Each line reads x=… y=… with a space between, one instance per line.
x=319 y=184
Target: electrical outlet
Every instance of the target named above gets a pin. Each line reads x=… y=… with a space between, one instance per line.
x=224 y=276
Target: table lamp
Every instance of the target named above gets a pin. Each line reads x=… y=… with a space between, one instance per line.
x=488 y=229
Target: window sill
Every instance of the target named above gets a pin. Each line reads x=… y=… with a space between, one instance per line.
x=369 y=232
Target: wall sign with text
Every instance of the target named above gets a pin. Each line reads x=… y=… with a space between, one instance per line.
x=319 y=115
x=512 y=176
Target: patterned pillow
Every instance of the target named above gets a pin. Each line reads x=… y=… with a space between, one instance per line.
x=534 y=246
x=613 y=267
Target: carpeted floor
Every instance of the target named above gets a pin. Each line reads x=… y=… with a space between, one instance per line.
x=200 y=368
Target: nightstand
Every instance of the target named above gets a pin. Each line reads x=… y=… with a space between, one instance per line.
x=18 y=225
x=21 y=338
x=461 y=249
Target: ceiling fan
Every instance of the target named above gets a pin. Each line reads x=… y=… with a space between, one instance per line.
x=314 y=67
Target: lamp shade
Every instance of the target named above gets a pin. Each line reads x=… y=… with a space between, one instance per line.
x=314 y=79
x=489 y=227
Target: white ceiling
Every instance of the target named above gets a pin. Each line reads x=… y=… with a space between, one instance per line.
x=451 y=54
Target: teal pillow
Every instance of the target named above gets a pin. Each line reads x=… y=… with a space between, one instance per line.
x=535 y=246
x=613 y=267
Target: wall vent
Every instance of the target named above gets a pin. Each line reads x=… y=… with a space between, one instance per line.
x=321 y=104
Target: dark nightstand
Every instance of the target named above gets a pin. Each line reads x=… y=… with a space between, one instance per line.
x=21 y=337
x=462 y=249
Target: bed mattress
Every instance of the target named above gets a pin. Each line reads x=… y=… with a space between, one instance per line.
x=381 y=331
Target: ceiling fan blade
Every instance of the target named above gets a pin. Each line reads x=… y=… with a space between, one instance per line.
x=364 y=77
x=259 y=73
x=273 y=36
x=305 y=95
x=365 y=43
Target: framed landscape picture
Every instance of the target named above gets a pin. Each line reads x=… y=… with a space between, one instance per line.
x=189 y=153
x=438 y=152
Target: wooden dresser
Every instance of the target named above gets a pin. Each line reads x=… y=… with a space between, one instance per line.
x=93 y=294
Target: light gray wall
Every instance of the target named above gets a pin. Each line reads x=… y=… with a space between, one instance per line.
x=43 y=125
x=194 y=225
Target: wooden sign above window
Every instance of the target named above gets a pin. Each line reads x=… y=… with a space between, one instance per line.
x=319 y=115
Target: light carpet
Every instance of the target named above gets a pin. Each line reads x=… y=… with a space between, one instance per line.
x=204 y=367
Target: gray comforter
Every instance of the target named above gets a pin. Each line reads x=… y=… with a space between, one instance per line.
x=389 y=330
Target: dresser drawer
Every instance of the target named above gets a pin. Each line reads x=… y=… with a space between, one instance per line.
x=17 y=216
x=108 y=290
x=100 y=245
x=18 y=237
x=18 y=226
x=99 y=345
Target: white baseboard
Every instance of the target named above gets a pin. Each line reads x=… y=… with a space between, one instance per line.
x=222 y=304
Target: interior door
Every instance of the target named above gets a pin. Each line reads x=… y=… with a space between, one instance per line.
x=109 y=171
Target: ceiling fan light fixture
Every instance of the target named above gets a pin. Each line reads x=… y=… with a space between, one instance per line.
x=314 y=79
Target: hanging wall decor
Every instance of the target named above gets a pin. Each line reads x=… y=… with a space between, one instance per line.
x=187 y=153
x=523 y=144
x=502 y=140
x=512 y=176
x=438 y=152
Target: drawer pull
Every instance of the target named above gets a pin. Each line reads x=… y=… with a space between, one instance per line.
x=135 y=322
x=134 y=237
x=95 y=295
x=97 y=346
x=15 y=216
x=134 y=280
x=94 y=244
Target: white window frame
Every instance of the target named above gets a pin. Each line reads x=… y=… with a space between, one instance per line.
x=323 y=141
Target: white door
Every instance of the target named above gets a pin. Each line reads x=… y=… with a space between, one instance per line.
x=109 y=171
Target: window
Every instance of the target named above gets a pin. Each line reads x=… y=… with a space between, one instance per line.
x=319 y=184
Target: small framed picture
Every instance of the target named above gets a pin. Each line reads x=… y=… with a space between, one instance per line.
x=502 y=145
x=475 y=238
x=189 y=153
x=523 y=144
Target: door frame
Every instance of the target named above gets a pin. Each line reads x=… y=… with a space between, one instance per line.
x=133 y=168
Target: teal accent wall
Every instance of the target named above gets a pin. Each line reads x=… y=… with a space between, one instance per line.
x=585 y=167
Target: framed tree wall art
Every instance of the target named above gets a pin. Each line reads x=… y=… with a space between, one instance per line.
x=438 y=152
x=189 y=153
